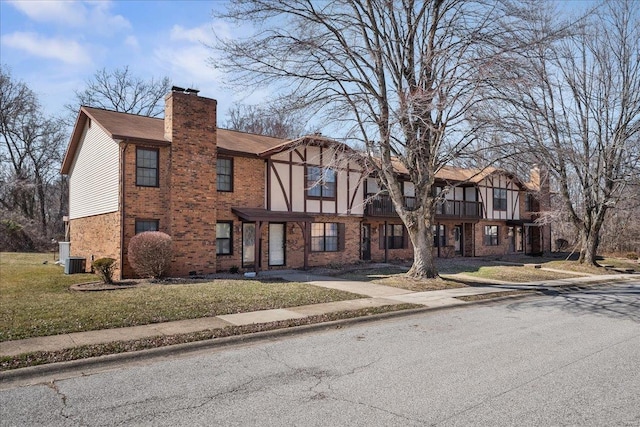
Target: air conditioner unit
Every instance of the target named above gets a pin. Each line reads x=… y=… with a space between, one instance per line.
x=74 y=265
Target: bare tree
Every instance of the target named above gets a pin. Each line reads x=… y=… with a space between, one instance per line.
x=575 y=104
x=30 y=153
x=120 y=90
x=398 y=76
x=266 y=120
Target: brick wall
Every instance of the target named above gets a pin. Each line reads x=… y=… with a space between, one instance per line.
x=351 y=251
x=144 y=203
x=96 y=236
x=377 y=254
x=248 y=191
x=503 y=239
x=190 y=125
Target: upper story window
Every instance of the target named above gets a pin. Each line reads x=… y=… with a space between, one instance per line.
x=499 y=199
x=224 y=171
x=490 y=235
x=143 y=225
x=147 y=167
x=321 y=182
x=530 y=203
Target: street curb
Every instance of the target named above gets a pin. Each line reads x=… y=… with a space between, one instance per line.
x=115 y=360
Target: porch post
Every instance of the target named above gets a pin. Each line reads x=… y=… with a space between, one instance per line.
x=256 y=247
x=306 y=231
x=386 y=243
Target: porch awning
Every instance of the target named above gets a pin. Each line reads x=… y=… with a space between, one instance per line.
x=257 y=214
x=516 y=222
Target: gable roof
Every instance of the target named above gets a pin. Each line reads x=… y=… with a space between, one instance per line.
x=125 y=126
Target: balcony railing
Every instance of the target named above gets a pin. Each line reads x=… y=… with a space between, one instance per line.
x=381 y=205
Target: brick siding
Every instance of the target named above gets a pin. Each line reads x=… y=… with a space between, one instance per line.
x=96 y=237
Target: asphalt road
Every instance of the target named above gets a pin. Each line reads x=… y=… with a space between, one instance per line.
x=560 y=359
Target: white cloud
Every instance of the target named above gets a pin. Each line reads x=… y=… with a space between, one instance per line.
x=94 y=15
x=63 y=12
x=132 y=42
x=190 y=63
x=201 y=34
x=65 y=50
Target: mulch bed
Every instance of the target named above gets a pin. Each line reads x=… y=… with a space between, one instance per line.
x=101 y=286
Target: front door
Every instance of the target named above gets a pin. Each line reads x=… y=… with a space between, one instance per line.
x=457 y=239
x=276 y=243
x=248 y=245
x=366 y=242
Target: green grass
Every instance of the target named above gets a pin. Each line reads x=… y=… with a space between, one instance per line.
x=396 y=277
x=35 y=299
x=517 y=274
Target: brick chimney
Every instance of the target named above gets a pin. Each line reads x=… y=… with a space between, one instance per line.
x=539 y=178
x=190 y=125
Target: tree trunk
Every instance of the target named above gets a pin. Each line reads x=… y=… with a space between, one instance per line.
x=590 y=250
x=421 y=237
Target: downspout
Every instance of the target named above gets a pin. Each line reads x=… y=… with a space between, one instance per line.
x=123 y=149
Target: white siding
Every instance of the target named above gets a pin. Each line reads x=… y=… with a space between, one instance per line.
x=358 y=206
x=293 y=180
x=298 y=189
x=372 y=186
x=94 y=175
x=278 y=200
x=409 y=189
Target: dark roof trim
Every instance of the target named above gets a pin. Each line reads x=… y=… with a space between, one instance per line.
x=256 y=214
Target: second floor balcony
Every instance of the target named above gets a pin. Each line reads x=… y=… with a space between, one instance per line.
x=381 y=206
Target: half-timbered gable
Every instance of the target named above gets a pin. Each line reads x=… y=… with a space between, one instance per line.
x=315 y=178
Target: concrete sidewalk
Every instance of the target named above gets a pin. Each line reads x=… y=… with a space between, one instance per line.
x=377 y=295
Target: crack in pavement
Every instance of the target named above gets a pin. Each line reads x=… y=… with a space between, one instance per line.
x=63 y=397
x=203 y=402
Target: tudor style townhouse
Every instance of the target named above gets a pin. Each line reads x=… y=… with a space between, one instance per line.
x=232 y=199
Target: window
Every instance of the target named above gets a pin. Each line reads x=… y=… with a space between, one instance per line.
x=491 y=235
x=321 y=182
x=394 y=237
x=224 y=238
x=224 y=172
x=146 y=167
x=143 y=225
x=499 y=199
x=324 y=237
x=439 y=235
x=530 y=203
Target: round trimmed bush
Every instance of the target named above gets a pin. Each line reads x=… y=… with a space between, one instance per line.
x=104 y=268
x=150 y=254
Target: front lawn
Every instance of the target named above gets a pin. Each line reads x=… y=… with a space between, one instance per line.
x=517 y=274
x=35 y=299
x=396 y=277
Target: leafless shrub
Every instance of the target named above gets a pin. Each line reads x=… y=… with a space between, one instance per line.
x=150 y=254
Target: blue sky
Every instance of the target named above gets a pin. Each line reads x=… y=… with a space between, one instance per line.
x=55 y=46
